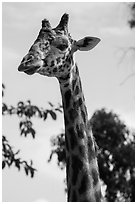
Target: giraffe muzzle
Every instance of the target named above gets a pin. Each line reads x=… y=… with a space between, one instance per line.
x=28 y=69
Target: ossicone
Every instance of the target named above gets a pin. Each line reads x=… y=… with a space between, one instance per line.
x=46 y=24
x=63 y=24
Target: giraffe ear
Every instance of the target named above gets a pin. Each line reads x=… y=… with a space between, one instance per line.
x=86 y=43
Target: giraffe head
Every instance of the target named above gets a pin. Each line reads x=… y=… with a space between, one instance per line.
x=52 y=52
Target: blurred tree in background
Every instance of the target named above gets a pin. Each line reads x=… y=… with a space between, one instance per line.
x=131 y=22
x=129 y=51
x=116 y=156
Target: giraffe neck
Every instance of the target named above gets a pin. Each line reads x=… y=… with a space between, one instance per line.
x=81 y=169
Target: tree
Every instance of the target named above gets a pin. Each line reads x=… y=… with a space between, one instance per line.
x=116 y=155
x=25 y=112
x=130 y=50
x=131 y=22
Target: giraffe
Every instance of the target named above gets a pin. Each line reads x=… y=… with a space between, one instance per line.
x=52 y=55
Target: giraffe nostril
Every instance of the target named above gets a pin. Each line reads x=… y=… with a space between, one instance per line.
x=27 y=58
x=30 y=57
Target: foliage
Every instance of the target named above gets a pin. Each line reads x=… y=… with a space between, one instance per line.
x=131 y=22
x=115 y=157
x=25 y=112
x=58 y=145
x=10 y=158
x=128 y=51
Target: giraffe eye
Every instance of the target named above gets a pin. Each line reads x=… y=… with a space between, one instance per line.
x=62 y=47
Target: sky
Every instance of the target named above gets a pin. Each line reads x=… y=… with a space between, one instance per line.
x=103 y=73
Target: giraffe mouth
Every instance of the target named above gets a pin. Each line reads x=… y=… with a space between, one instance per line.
x=28 y=70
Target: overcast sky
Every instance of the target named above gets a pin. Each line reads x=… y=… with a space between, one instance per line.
x=102 y=77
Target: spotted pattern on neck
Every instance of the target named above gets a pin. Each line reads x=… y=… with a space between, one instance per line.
x=82 y=170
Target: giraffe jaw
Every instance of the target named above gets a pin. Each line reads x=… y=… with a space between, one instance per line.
x=28 y=69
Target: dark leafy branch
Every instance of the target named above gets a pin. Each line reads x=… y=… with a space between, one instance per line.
x=131 y=22
x=25 y=112
x=129 y=51
x=28 y=110
x=9 y=158
x=58 y=145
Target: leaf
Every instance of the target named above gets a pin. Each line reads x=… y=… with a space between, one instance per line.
x=26 y=132
x=45 y=115
x=20 y=104
x=57 y=109
x=17 y=163
x=28 y=123
x=29 y=102
x=4 y=139
x=51 y=104
x=17 y=152
x=22 y=132
x=3 y=86
x=40 y=113
x=53 y=115
x=3 y=164
x=32 y=172
x=50 y=157
x=32 y=132
x=31 y=162
x=28 y=111
x=19 y=112
x=36 y=110
x=4 y=107
x=12 y=110
x=20 y=124
x=26 y=170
